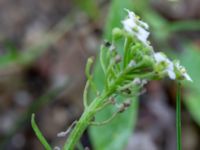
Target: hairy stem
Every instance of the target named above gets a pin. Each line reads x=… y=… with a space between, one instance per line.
x=85 y=120
x=90 y=111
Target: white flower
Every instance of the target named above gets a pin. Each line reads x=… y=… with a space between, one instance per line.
x=144 y=82
x=134 y=26
x=183 y=71
x=112 y=48
x=57 y=148
x=138 y=81
x=170 y=68
x=160 y=57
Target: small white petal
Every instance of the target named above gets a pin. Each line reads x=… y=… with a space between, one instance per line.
x=112 y=48
x=142 y=35
x=160 y=57
x=171 y=74
x=177 y=64
x=187 y=77
x=57 y=148
x=170 y=70
x=183 y=71
x=128 y=25
x=130 y=14
x=134 y=26
x=143 y=82
x=144 y=24
x=136 y=81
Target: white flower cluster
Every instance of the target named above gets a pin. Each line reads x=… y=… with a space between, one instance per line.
x=183 y=71
x=139 y=29
x=134 y=26
x=141 y=82
x=170 y=67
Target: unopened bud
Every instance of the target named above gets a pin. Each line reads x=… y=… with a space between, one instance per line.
x=117 y=33
x=121 y=109
x=148 y=60
x=127 y=103
x=90 y=60
x=118 y=59
x=112 y=48
x=136 y=81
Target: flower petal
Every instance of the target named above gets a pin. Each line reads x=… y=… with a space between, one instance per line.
x=187 y=77
x=136 y=27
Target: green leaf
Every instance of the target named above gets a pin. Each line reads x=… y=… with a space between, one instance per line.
x=39 y=134
x=113 y=136
x=10 y=55
x=89 y=7
x=191 y=60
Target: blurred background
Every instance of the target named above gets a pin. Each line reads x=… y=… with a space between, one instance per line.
x=44 y=46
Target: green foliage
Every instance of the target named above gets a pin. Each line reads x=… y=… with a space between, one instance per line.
x=89 y=7
x=115 y=134
x=10 y=54
x=39 y=134
x=191 y=59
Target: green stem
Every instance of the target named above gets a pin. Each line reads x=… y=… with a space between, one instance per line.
x=178 y=117
x=39 y=134
x=90 y=112
x=84 y=121
x=126 y=50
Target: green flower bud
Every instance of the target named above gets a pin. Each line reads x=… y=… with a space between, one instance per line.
x=117 y=33
x=148 y=61
x=137 y=55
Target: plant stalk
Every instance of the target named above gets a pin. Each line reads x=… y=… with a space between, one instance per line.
x=90 y=112
x=84 y=121
x=178 y=117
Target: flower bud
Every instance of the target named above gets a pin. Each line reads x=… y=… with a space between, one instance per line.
x=137 y=55
x=121 y=108
x=118 y=59
x=117 y=33
x=127 y=103
x=148 y=61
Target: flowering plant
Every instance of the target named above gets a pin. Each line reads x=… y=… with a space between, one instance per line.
x=125 y=74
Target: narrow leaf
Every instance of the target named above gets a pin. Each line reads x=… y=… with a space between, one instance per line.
x=39 y=135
